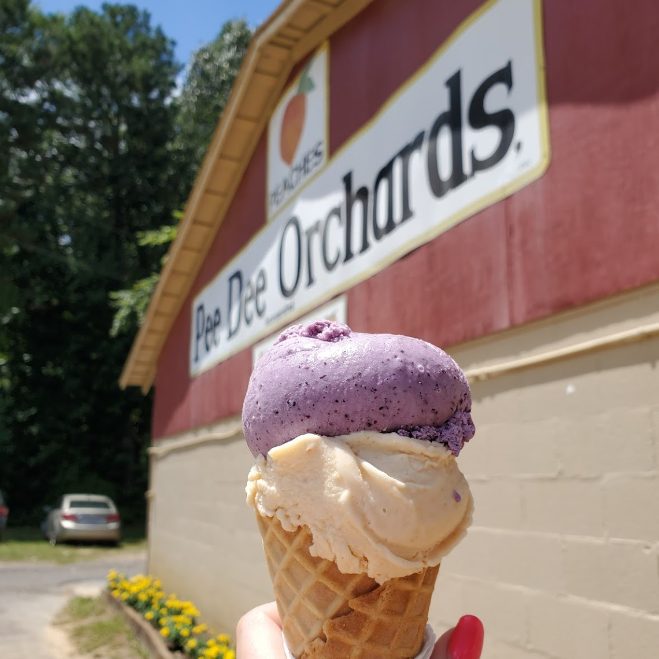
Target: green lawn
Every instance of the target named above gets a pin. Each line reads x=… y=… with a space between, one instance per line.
x=96 y=628
x=27 y=544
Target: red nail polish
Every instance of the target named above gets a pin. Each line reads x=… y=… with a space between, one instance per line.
x=466 y=641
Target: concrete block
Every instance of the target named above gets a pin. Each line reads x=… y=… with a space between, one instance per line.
x=447 y=601
x=634 y=636
x=655 y=435
x=572 y=507
x=611 y=442
x=618 y=572
x=631 y=506
x=527 y=559
x=513 y=449
x=495 y=649
x=498 y=503
x=566 y=628
x=502 y=609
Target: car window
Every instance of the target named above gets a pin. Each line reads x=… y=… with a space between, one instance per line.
x=81 y=503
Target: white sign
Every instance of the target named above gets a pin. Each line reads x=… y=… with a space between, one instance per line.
x=468 y=129
x=297 y=133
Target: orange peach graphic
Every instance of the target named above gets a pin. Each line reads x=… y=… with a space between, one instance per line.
x=292 y=122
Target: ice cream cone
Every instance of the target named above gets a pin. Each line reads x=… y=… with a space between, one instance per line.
x=330 y=615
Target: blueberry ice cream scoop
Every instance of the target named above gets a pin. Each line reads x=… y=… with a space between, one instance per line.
x=323 y=378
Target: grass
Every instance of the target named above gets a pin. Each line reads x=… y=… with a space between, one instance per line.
x=80 y=608
x=27 y=544
x=94 y=626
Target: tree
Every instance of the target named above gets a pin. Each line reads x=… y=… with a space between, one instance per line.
x=26 y=52
x=131 y=304
x=203 y=98
x=96 y=170
x=206 y=90
x=97 y=153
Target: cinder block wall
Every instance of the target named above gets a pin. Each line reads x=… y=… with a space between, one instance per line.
x=562 y=561
x=563 y=558
x=203 y=539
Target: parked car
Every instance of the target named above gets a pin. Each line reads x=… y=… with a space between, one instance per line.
x=4 y=514
x=83 y=517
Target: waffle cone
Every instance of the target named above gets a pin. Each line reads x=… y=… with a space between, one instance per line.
x=326 y=614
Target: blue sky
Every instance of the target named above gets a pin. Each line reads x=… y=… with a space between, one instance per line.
x=191 y=23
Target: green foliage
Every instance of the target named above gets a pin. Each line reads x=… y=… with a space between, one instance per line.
x=94 y=170
x=207 y=89
x=97 y=153
x=130 y=305
x=203 y=98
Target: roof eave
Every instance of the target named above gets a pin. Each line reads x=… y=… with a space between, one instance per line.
x=294 y=29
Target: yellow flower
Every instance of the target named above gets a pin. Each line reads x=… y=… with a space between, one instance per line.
x=229 y=654
x=163 y=611
x=191 y=644
x=164 y=632
x=185 y=632
x=223 y=638
x=149 y=615
x=199 y=629
x=124 y=596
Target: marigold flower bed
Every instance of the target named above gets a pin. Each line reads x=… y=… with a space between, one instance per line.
x=175 y=620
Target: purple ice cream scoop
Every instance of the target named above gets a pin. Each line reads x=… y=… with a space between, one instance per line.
x=326 y=379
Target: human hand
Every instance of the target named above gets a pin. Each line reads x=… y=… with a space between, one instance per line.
x=259 y=636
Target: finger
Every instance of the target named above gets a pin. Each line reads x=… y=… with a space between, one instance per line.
x=464 y=641
x=258 y=634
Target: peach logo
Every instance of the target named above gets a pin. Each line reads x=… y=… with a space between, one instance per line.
x=292 y=122
x=297 y=133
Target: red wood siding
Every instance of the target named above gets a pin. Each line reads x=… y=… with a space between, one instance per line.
x=587 y=229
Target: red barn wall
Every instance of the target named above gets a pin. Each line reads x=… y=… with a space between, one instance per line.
x=586 y=230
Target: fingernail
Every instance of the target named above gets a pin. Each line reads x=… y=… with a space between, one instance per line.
x=466 y=641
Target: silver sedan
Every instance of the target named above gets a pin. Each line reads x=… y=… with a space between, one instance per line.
x=90 y=517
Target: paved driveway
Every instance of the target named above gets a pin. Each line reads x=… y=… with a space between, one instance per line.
x=32 y=593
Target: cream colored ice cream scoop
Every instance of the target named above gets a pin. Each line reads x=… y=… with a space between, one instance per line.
x=376 y=503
